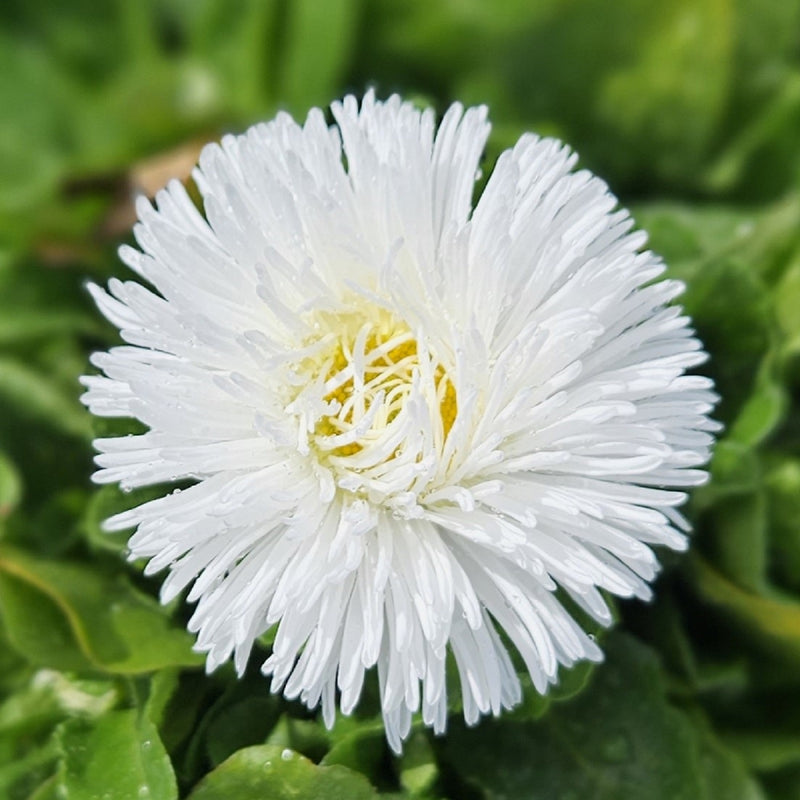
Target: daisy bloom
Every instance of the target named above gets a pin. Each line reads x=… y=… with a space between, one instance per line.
x=409 y=425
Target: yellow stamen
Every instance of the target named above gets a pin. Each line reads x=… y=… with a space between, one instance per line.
x=384 y=370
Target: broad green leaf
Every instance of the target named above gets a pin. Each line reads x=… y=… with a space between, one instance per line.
x=119 y=756
x=620 y=738
x=280 y=774
x=240 y=724
x=69 y=616
x=305 y=736
x=360 y=745
x=37 y=627
x=213 y=716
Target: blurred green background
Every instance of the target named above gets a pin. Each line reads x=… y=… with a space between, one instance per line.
x=690 y=109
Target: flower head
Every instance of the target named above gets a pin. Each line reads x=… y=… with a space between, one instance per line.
x=407 y=421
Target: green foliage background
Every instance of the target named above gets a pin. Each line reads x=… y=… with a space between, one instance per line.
x=690 y=109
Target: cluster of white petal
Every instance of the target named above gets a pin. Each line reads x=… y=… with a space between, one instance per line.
x=407 y=422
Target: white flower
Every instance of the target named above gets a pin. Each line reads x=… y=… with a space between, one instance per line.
x=408 y=422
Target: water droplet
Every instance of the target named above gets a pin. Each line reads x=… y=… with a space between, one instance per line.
x=144 y=791
x=146 y=744
x=287 y=755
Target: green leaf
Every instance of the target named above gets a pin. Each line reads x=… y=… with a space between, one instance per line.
x=737 y=341
x=759 y=156
x=119 y=756
x=71 y=617
x=787 y=301
x=762 y=412
x=37 y=627
x=620 y=738
x=419 y=771
x=676 y=110
x=240 y=724
x=773 y=620
x=690 y=236
x=21 y=775
x=724 y=774
x=783 y=504
x=162 y=688
x=280 y=774
x=183 y=716
x=735 y=470
x=739 y=527
x=27 y=719
x=765 y=750
x=360 y=745
x=305 y=736
x=104 y=503
x=48 y=790
x=10 y=486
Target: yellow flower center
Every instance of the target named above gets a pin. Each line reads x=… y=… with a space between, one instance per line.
x=369 y=369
